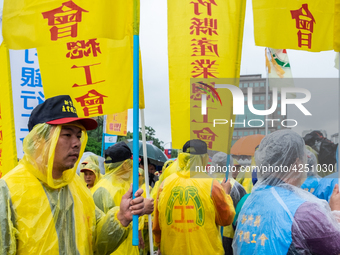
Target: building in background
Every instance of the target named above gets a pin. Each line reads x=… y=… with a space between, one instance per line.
x=259 y=95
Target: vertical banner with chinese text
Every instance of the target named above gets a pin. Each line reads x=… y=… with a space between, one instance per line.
x=205 y=43
x=116 y=124
x=27 y=91
x=31 y=24
x=337 y=26
x=294 y=24
x=96 y=73
x=1 y=140
x=9 y=155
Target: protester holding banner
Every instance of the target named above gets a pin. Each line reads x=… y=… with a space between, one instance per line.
x=280 y=218
x=201 y=202
x=44 y=207
x=111 y=188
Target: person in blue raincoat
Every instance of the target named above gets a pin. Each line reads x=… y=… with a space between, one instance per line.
x=280 y=218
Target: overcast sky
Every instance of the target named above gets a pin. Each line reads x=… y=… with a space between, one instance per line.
x=153 y=40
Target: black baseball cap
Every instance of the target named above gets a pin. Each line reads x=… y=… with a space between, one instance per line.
x=117 y=153
x=195 y=146
x=58 y=110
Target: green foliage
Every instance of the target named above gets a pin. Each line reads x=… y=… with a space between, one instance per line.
x=174 y=153
x=94 y=146
x=94 y=143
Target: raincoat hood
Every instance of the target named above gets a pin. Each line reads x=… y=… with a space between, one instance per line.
x=192 y=165
x=121 y=170
x=39 y=147
x=91 y=162
x=282 y=157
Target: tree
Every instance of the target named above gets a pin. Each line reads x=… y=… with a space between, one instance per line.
x=94 y=143
x=174 y=153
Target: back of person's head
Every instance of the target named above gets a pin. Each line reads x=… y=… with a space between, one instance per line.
x=117 y=154
x=195 y=154
x=219 y=162
x=278 y=154
x=195 y=147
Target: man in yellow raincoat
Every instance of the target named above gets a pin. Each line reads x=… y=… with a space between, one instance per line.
x=190 y=206
x=44 y=207
x=109 y=191
x=90 y=171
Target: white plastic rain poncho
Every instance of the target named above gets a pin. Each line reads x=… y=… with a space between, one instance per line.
x=40 y=215
x=189 y=207
x=109 y=191
x=279 y=217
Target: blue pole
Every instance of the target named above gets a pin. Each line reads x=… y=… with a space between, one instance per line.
x=228 y=164
x=135 y=238
x=226 y=178
x=103 y=144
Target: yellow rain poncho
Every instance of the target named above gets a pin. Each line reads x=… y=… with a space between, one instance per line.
x=40 y=215
x=109 y=191
x=91 y=162
x=189 y=208
x=244 y=177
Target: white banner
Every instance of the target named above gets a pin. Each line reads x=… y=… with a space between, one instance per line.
x=110 y=138
x=27 y=90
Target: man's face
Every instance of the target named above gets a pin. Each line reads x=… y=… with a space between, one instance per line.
x=151 y=169
x=89 y=178
x=68 y=148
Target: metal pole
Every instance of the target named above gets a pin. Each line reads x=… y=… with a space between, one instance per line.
x=337 y=163
x=146 y=174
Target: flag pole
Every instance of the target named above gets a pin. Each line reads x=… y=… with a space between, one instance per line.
x=103 y=136
x=146 y=174
x=338 y=151
x=135 y=237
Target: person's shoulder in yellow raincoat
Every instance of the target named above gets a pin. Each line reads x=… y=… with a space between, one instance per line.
x=44 y=207
x=190 y=208
x=109 y=190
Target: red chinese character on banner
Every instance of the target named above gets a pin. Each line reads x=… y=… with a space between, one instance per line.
x=87 y=75
x=205 y=26
x=198 y=89
x=91 y=102
x=64 y=20
x=204 y=3
x=203 y=47
x=206 y=135
x=117 y=127
x=304 y=20
x=204 y=68
x=81 y=48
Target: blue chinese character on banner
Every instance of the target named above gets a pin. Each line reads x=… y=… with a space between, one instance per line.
x=27 y=61
x=30 y=77
x=26 y=95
